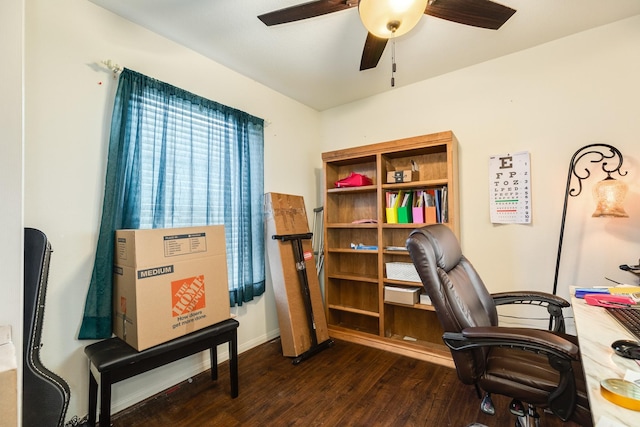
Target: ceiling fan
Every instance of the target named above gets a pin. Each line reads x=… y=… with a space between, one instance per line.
x=477 y=13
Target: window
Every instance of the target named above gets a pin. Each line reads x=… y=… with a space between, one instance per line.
x=176 y=160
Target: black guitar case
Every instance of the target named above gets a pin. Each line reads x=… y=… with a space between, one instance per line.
x=45 y=395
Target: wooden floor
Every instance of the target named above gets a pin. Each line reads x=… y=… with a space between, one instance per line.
x=345 y=385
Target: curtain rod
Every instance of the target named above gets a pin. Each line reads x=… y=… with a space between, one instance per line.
x=115 y=68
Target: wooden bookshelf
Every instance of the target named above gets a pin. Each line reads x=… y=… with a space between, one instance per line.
x=355 y=278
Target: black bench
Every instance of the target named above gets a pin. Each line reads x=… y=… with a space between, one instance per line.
x=116 y=360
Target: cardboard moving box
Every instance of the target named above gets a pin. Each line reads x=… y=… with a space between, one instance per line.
x=285 y=214
x=168 y=283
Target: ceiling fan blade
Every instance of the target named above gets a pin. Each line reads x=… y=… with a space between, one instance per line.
x=477 y=13
x=305 y=11
x=373 y=48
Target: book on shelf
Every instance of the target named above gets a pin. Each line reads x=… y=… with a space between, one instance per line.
x=444 y=203
x=396 y=248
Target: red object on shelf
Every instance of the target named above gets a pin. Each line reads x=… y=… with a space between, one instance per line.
x=354 y=180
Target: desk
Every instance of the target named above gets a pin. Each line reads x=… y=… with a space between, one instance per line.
x=596 y=331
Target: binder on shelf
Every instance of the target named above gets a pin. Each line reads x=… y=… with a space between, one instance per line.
x=430 y=207
x=404 y=208
x=417 y=210
x=392 y=203
x=438 y=203
x=417 y=215
x=430 y=215
x=392 y=215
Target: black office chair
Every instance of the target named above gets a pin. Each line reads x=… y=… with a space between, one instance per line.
x=538 y=367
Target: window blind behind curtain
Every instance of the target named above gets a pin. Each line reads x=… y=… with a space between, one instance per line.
x=176 y=159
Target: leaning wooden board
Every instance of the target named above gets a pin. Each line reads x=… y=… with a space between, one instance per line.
x=286 y=214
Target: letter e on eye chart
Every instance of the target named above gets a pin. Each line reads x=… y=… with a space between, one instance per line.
x=510 y=188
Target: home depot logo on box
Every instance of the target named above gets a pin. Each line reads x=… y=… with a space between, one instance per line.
x=187 y=295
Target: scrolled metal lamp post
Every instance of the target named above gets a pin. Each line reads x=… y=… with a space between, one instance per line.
x=603 y=153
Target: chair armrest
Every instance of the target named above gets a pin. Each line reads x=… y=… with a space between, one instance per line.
x=537 y=340
x=553 y=303
x=528 y=297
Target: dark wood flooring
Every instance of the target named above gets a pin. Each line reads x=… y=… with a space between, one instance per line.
x=345 y=385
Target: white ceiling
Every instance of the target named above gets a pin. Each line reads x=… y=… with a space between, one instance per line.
x=316 y=61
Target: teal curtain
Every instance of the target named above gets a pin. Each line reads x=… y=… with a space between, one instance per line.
x=176 y=159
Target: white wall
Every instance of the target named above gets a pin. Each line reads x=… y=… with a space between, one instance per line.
x=11 y=167
x=11 y=116
x=550 y=101
x=68 y=108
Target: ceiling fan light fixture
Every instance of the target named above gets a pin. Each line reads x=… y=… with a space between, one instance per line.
x=390 y=18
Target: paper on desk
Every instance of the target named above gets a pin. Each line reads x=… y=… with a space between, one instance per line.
x=632 y=376
x=632 y=292
x=605 y=421
x=624 y=289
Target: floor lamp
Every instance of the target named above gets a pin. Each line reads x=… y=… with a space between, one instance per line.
x=609 y=193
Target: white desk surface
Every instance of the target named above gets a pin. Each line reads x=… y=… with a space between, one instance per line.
x=596 y=331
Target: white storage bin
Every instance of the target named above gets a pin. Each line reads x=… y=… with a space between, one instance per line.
x=408 y=296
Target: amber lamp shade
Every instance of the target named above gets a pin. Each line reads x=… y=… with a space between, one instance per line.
x=390 y=18
x=609 y=194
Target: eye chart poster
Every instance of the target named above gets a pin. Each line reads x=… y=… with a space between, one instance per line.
x=510 y=188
